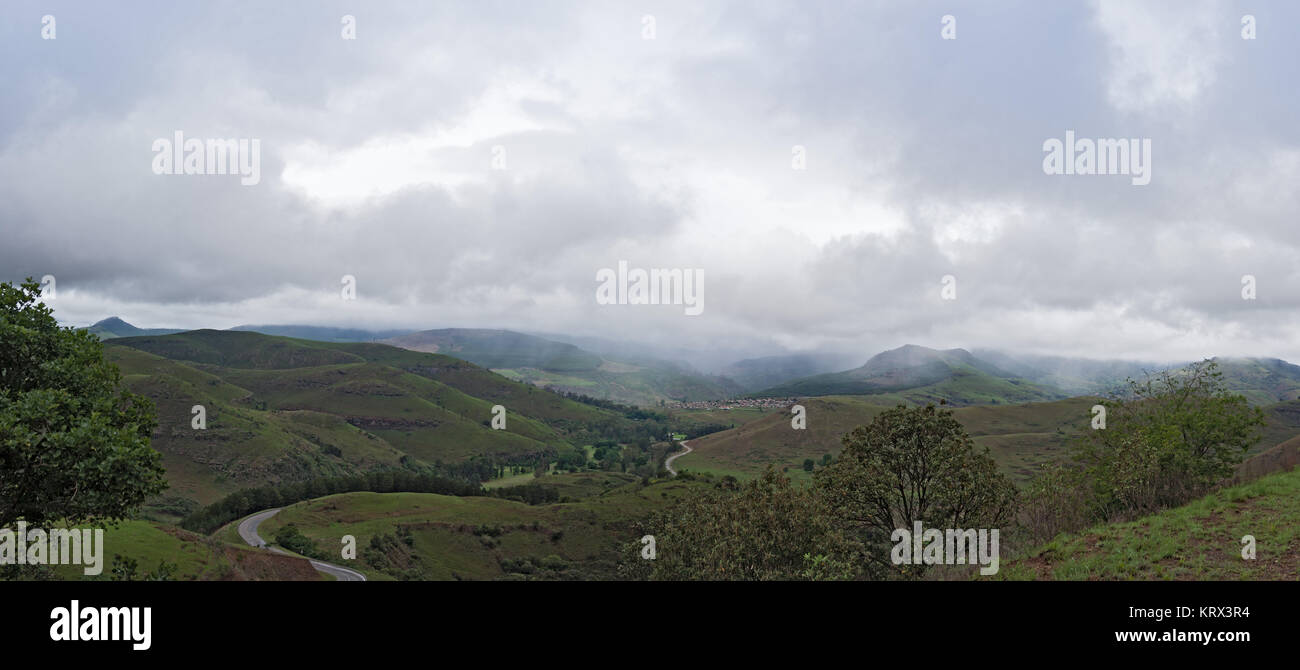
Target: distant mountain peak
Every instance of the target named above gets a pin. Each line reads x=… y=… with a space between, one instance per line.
x=111 y=322
x=911 y=355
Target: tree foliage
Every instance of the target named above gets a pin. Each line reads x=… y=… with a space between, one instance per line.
x=764 y=529
x=74 y=445
x=907 y=465
x=1174 y=436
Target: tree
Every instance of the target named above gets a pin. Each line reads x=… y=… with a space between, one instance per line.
x=1174 y=436
x=763 y=530
x=908 y=465
x=74 y=445
x=808 y=464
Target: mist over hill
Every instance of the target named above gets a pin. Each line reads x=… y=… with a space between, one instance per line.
x=754 y=374
x=324 y=333
x=637 y=379
x=954 y=376
x=115 y=327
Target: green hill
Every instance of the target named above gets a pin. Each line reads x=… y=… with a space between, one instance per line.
x=189 y=557
x=1262 y=380
x=1201 y=540
x=324 y=333
x=499 y=349
x=434 y=537
x=281 y=410
x=1020 y=437
x=567 y=368
x=921 y=374
x=754 y=374
x=114 y=327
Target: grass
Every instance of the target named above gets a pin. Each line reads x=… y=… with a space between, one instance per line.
x=1019 y=437
x=1201 y=540
x=447 y=533
x=195 y=557
x=280 y=409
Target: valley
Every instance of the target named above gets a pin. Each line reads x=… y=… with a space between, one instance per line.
x=562 y=487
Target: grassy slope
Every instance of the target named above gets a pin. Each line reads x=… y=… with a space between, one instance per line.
x=546 y=363
x=195 y=557
x=1018 y=436
x=590 y=530
x=1200 y=540
x=241 y=446
x=957 y=382
x=280 y=409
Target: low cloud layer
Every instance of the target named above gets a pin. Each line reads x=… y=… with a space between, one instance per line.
x=476 y=165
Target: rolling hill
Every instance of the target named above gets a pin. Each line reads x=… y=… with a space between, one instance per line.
x=1262 y=380
x=1019 y=437
x=280 y=410
x=754 y=374
x=1201 y=540
x=324 y=333
x=437 y=537
x=1075 y=376
x=920 y=374
x=567 y=368
x=113 y=326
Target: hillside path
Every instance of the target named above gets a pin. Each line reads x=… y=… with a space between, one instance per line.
x=668 y=462
x=248 y=531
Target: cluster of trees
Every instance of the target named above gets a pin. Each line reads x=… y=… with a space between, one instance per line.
x=533 y=494
x=394 y=554
x=247 y=501
x=291 y=538
x=1171 y=438
x=484 y=467
x=629 y=411
x=703 y=429
x=908 y=464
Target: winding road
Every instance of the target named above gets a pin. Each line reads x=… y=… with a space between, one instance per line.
x=248 y=531
x=668 y=462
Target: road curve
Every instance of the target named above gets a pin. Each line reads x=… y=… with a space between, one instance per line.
x=248 y=531
x=668 y=462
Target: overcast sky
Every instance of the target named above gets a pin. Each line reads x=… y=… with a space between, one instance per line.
x=923 y=158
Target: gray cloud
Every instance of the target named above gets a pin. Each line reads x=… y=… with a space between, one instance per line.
x=923 y=159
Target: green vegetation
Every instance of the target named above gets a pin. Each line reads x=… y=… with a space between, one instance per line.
x=246 y=501
x=907 y=465
x=763 y=529
x=74 y=445
x=281 y=411
x=1020 y=437
x=566 y=368
x=144 y=550
x=430 y=536
x=1175 y=436
x=114 y=327
x=292 y=539
x=1201 y=540
x=921 y=375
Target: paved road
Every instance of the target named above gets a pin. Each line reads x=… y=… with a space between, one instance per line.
x=668 y=462
x=248 y=531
